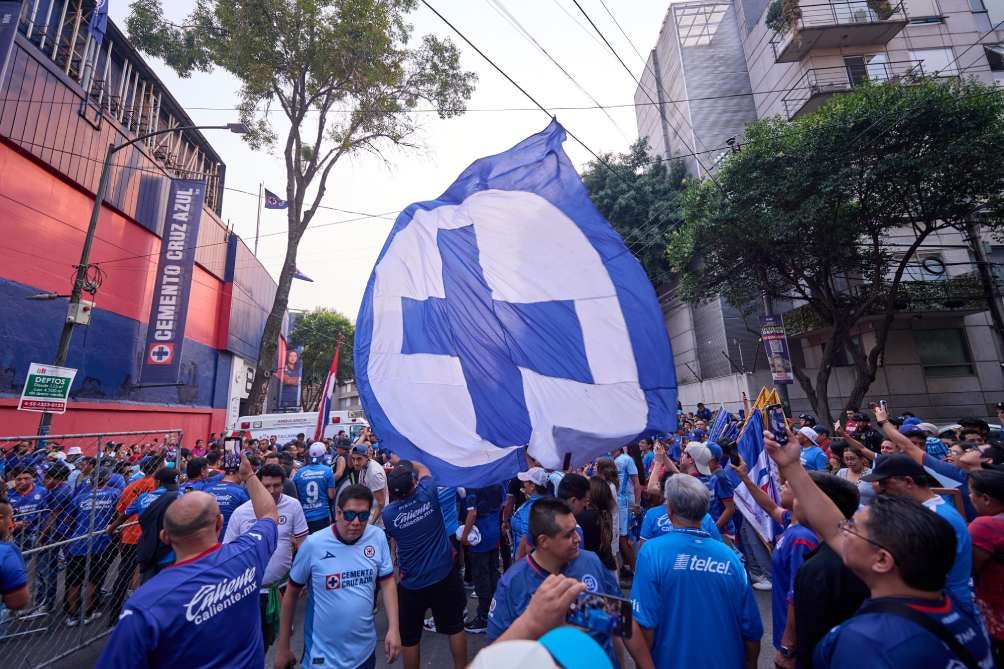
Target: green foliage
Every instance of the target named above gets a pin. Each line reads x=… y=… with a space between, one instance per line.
x=774 y=19
x=641 y=196
x=318 y=332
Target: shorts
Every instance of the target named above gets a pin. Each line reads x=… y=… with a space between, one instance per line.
x=76 y=565
x=447 y=600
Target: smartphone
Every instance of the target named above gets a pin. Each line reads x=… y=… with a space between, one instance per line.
x=601 y=613
x=884 y=405
x=231 y=453
x=776 y=423
x=171 y=457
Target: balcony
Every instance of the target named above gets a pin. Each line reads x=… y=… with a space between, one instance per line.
x=819 y=84
x=838 y=24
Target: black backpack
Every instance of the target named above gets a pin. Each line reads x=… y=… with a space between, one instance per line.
x=151 y=550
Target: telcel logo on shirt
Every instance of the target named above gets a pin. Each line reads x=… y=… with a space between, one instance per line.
x=685 y=562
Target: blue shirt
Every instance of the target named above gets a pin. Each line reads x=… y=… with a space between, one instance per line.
x=102 y=501
x=448 y=507
x=312 y=485
x=886 y=641
x=143 y=502
x=520 y=523
x=416 y=524
x=203 y=612
x=13 y=575
x=950 y=472
x=959 y=584
x=117 y=481
x=626 y=468
x=721 y=489
x=228 y=496
x=340 y=578
x=518 y=584
x=656 y=523
x=693 y=592
x=646 y=462
x=814 y=459
x=486 y=502
x=59 y=501
x=794 y=544
x=27 y=508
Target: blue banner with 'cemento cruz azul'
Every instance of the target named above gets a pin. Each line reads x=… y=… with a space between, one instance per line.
x=165 y=334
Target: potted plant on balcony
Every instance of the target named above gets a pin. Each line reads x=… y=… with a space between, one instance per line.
x=882 y=8
x=791 y=11
x=775 y=19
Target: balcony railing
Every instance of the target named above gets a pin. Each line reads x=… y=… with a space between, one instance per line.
x=818 y=84
x=838 y=24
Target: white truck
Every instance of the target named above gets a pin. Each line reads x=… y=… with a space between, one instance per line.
x=285 y=426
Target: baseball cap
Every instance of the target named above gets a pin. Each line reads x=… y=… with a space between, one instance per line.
x=359 y=449
x=317 y=450
x=929 y=428
x=74 y=450
x=910 y=429
x=809 y=434
x=897 y=465
x=535 y=475
x=701 y=455
x=571 y=647
x=561 y=647
x=401 y=478
x=716 y=451
x=1000 y=405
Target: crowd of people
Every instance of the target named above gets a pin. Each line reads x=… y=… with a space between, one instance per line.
x=889 y=550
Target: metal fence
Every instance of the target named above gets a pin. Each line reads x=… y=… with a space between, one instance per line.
x=78 y=574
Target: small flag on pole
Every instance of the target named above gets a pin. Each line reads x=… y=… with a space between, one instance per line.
x=764 y=474
x=297 y=274
x=272 y=201
x=324 y=410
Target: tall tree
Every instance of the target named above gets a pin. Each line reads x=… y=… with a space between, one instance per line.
x=642 y=197
x=808 y=210
x=344 y=74
x=318 y=333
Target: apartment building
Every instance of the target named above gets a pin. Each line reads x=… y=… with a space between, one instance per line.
x=718 y=66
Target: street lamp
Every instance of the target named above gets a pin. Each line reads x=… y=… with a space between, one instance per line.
x=85 y=252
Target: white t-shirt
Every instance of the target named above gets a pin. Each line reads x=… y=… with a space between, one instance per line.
x=292 y=523
x=373 y=477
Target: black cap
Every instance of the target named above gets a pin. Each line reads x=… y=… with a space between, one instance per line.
x=897 y=465
x=401 y=478
x=359 y=449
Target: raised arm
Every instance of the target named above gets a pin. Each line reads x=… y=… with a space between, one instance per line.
x=895 y=436
x=261 y=499
x=762 y=499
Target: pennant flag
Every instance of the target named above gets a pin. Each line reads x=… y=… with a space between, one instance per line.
x=297 y=274
x=774 y=397
x=729 y=433
x=324 y=410
x=272 y=201
x=761 y=399
x=718 y=424
x=505 y=314
x=763 y=472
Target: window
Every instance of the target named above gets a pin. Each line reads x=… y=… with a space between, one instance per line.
x=943 y=353
x=936 y=61
x=995 y=56
x=872 y=67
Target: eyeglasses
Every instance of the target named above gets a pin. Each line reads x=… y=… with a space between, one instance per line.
x=363 y=516
x=849 y=527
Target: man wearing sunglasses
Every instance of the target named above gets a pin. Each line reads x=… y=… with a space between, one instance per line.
x=903 y=553
x=341 y=565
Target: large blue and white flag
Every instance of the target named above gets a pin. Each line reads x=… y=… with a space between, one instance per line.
x=763 y=472
x=506 y=314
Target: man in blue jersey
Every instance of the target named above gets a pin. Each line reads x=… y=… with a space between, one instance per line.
x=693 y=605
x=657 y=523
x=628 y=504
x=202 y=611
x=56 y=526
x=91 y=554
x=484 y=506
x=555 y=551
x=813 y=457
x=315 y=487
x=229 y=494
x=339 y=568
x=430 y=577
x=903 y=553
x=28 y=500
x=13 y=574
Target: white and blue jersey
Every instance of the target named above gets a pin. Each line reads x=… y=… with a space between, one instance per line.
x=656 y=523
x=813 y=459
x=626 y=468
x=203 y=612
x=340 y=579
x=101 y=503
x=693 y=592
x=959 y=583
x=518 y=584
x=416 y=524
x=228 y=496
x=312 y=485
x=520 y=523
x=889 y=641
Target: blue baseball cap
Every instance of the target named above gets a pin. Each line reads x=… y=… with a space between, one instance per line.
x=716 y=451
x=571 y=647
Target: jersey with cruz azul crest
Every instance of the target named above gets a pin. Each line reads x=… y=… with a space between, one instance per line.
x=508 y=313
x=200 y=613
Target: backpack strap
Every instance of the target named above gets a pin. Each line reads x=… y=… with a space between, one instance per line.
x=929 y=624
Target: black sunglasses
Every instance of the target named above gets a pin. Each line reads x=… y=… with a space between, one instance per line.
x=363 y=516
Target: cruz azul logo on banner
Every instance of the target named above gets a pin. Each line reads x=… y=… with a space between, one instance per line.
x=776 y=343
x=165 y=335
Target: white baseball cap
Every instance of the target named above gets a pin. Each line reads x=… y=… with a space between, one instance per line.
x=74 y=450
x=317 y=450
x=809 y=434
x=701 y=455
x=535 y=475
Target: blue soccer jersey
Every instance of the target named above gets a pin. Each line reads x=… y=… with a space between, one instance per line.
x=518 y=584
x=693 y=592
x=656 y=523
x=721 y=489
x=228 y=496
x=100 y=504
x=889 y=641
x=28 y=508
x=792 y=547
x=520 y=524
x=960 y=582
x=312 y=485
x=59 y=501
x=339 y=630
x=13 y=574
x=416 y=525
x=203 y=612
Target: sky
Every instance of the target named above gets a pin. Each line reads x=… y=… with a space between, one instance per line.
x=340 y=257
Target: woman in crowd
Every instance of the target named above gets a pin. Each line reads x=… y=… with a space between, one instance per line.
x=986 y=490
x=854 y=468
x=602 y=502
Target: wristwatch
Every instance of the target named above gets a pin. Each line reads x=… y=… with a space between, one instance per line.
x=786 y=651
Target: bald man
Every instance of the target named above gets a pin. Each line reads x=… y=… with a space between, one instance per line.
x=202 y=611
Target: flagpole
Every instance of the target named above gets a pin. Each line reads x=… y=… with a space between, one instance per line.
x=257 y=225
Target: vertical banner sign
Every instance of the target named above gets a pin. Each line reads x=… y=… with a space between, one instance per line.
x=292 y=373
x=165 y=335
x=776 y=343
x=46 y=389
x=10 y=15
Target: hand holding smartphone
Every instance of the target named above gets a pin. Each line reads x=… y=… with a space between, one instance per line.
x=605 y=614
x=777 y=424
x=231 y=453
